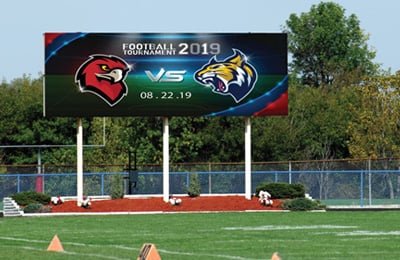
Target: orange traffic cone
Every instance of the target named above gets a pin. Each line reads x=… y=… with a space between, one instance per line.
x=55 y=245
x=275 y=256
x=149 y=252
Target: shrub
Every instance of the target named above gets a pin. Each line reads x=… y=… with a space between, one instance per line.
x=37 y=208
x=282 y=190
x=297 y=190
x=117 y=189
x=194 y=188
x=28 y=197
x=302 y=204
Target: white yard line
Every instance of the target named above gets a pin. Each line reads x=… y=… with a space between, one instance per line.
x=369 y=233
x=273 y=227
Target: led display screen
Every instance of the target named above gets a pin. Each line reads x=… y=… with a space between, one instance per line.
x=158 y=74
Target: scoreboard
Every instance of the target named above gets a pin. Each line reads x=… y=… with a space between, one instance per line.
x=165 y=74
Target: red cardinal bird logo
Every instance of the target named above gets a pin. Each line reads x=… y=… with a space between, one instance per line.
x=104 y=75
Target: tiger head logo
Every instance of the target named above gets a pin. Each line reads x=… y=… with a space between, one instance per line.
x=233 y=76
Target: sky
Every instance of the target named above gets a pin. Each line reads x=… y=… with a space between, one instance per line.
x=22 y=23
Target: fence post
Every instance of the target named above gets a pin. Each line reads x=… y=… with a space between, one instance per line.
x=209 y=178
x=369 y=183
x=102 y=184
x=187 y=179
x=18 y=183
x=361 y=188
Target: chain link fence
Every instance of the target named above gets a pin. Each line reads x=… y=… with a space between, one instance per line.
x=334 y=182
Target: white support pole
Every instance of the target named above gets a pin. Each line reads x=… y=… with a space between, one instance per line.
x=165 y=159
x=79 y=155
x=247 y=138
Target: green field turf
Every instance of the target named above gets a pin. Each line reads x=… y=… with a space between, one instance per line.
x=357 y=202
x=256 y=235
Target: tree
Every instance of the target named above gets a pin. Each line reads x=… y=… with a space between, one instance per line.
x=194 y=188
x=325 y=44
x=279 y=138
x=314 y=129
x=185 y=141
x=142 y=135
x=117 y=187
x=22 y=123
x=222 y=140
x=375 y=130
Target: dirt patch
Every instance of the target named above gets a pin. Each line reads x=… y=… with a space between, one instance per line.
x=152 y=204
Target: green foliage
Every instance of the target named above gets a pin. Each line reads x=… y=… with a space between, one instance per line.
x=222 y=139
x=194 y=188
x=314 y=129
x=282 y=190
x=22 y=123
x=142 y=135
x=117 y=189
x=375 y=131
x=302 y=204
x=37 y=208
x=28 y=197
x=325 y=44
x=186 y=140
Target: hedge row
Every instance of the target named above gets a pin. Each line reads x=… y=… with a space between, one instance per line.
x=28 y=197
x=282 y=190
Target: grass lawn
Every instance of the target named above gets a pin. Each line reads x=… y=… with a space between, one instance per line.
x=256 y=235
x=357 y=202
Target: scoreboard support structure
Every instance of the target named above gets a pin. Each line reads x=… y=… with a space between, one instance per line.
x=247 y=156
x=165 y=159
x=79 y=151
x=79 y=164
